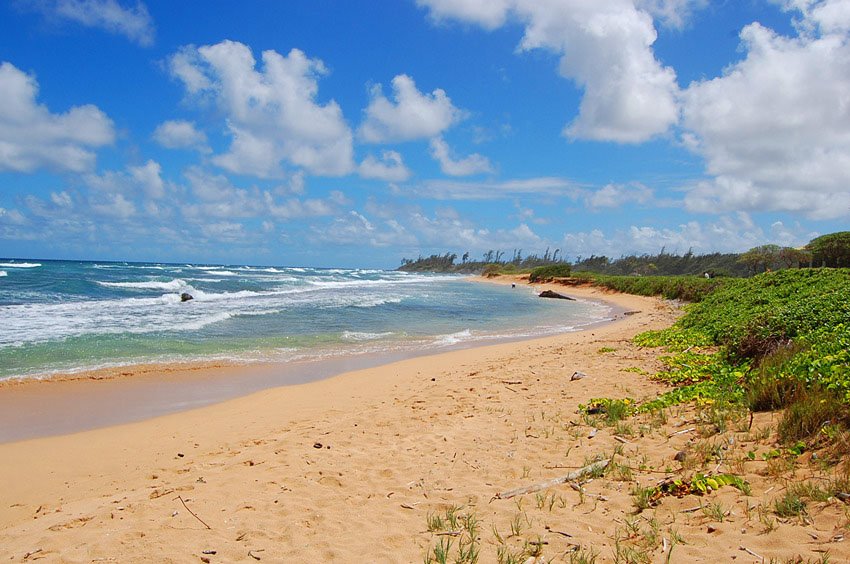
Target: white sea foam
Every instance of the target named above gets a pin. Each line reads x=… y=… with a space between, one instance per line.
x=20 y=264
x=202 y=296
x=173 y=285
x=259 y=269
x=379 y=282
x=375 y=301
x=453 y=338
x=358 y=336
x=3 y=273
x=216 y=270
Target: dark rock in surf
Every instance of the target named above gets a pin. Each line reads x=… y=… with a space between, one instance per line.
x=185 y=297
x=556 y=295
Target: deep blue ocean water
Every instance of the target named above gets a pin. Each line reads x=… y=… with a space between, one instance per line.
x=69 y=316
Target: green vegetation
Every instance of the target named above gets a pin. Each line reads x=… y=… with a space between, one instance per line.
x=493 y=262
x=831 y=250
x=457 y=537
x=546 y=273
x=612 y=410
x=777 y=340
x=699 y=485
x=665 y=264
x=765 y=258
x=686 y=288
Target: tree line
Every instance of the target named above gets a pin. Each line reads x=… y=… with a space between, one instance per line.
x=832 y=250
x=467 y=265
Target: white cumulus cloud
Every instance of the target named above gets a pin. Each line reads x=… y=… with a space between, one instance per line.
x=674 y=13
x=115 y=206
x=132 y=21
x=466 y=166
x=389 y=167
x=489 y=14
x=136 y=182
x=180 y=134
x=617 y=195
x=492 y=190
x=410 y=115
x=775 y=128
x=828 y=15
x=216 y=197
x=605 y=47
x=729 y=233
x=32 y=137
x=356 y=229
x=271 y=110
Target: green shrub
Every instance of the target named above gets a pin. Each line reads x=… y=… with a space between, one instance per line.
x=755 y=316
x=808 y=413
x=546 y=273
x=492 y=270
x=777 y=340
x=686 y=288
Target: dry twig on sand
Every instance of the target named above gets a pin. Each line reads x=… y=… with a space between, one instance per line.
x=192 y=512
x=596 y=466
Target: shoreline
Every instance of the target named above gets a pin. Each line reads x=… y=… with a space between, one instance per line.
x=122 y=369
x=69 y=403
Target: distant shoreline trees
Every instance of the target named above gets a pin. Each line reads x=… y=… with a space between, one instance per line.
x=832 y=250
x=491 y=258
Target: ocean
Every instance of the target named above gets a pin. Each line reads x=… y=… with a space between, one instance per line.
x=60 y=317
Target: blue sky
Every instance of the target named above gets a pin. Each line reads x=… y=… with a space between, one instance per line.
x=335 y=133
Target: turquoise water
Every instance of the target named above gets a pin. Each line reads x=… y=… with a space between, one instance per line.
x=68 y=316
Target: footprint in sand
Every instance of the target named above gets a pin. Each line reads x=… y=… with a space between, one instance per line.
x=330 y=481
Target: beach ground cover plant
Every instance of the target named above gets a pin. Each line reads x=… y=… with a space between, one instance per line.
x=685 y=288
x=779 y=340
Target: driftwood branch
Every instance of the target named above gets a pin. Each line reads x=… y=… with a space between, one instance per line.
x=195 y=515
x=751 y=553
x=580 y=489
x=596 y=466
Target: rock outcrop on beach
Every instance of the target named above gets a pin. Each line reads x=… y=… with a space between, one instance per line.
x=555 y=295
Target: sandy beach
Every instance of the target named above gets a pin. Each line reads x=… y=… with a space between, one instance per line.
x=349 y=469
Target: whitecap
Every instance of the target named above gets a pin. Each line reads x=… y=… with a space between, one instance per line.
x=175 y=284
x=20 y=264
x=3 y=273
x=202 y=296
x=453 y=338
x=381 y=282
x=364 y=336
x=205 y=268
